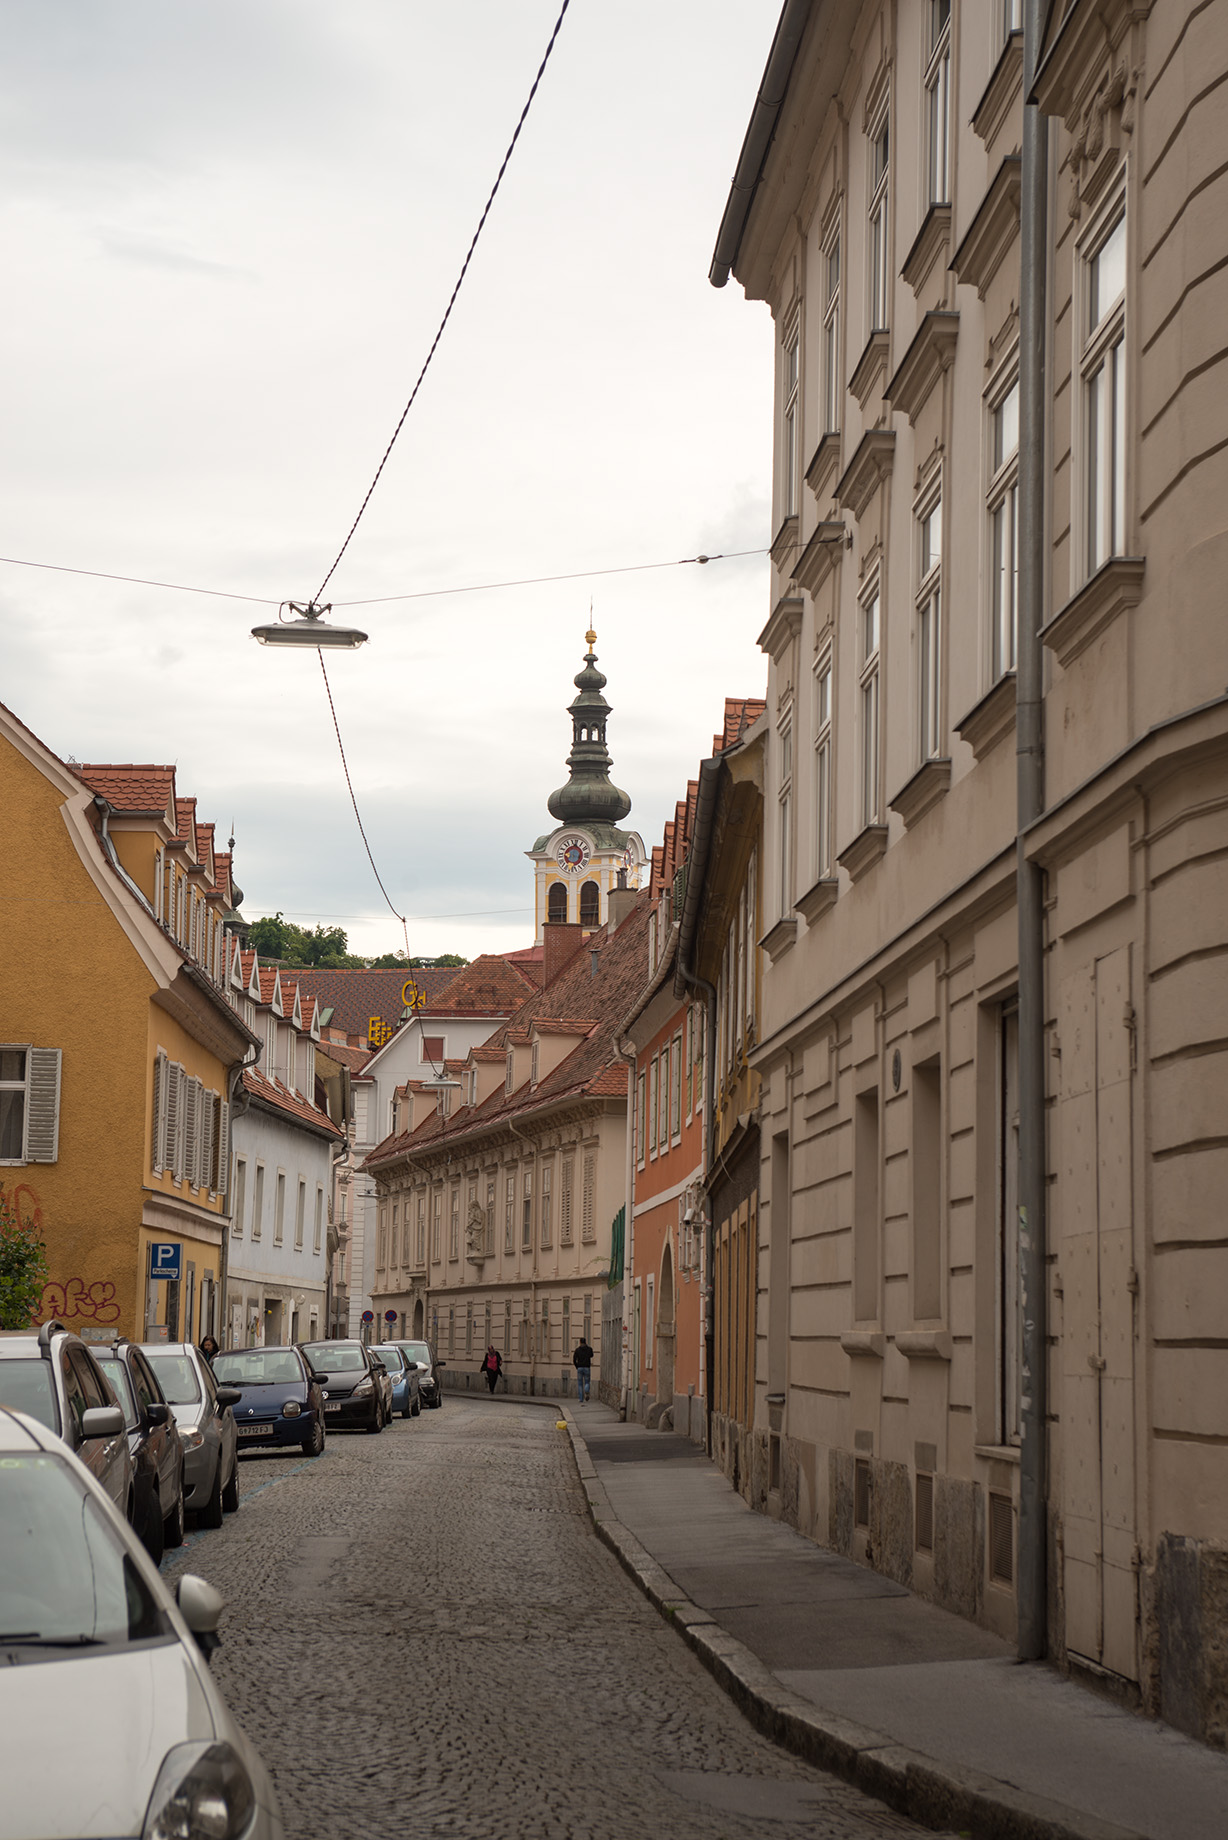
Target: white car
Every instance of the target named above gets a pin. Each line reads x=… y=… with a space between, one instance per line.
x=95 y=1650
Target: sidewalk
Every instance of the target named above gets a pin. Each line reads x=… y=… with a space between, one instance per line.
x=855 y=1673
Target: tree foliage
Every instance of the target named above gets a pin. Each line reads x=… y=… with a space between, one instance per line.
x=23 y=1266
x=326 y=948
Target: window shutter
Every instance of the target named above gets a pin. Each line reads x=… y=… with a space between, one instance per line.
x=222 y=1180
x=43 y=1122
x=157 y=1130
x=172 y=1150
x=587 y=1229
x=191 y=1132
x=208 y=1125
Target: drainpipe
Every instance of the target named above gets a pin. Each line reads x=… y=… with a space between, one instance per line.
x=1032 y=1600
x=532 y=1282
x=626 y=1051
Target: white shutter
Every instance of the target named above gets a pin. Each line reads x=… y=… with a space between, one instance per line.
x=173 y=1159
x=157 y=1135
x=222 y=1180
x=157 y=900
x=43 y=1117
x=191 y=1140
x=208 y=1122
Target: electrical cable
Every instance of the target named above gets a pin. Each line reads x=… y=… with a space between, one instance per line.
x=354 y=802
x=319 y=593
x=537 y=581
x=140 y=581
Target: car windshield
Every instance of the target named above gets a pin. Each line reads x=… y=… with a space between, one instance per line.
x=257 y=1367
x=334 y=1357
x=177 y=1378
x=25 y=1385
x=66 y=1578
x=418 y=1351
x=117 y=1374
x=391 y=1357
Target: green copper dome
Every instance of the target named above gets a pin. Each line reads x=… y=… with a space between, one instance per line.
x=589 y=797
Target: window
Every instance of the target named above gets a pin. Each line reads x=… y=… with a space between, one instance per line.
x=831 y=336
x=29 y=1104
x=938 y=92
x=880 y=271
x=567 y=1186
x=381 y=1257
x=1012 y=17
x=641 y=1105
x=526 y=1218
x=543 y=1341
x=675 y=1087
x=590 y=905
x=404 y=1233
x=240 y=1197
x=454 y=1223
x=534 y=1062
x=929 y=629
x=822 y=768
x=547 y=1204
x=556 y=902
x=510 y=1076
x=648 y=1335
x=279 y=1209
x=1003 y=508
x=509 y=1217
x=258 y=1202
x=588 y=1227
x=653 y=1074
x=785 y=817
x=432 y=1050
x=436 y=1226
x=871 y=792
x=790 y=418
x=300 y=1215
x=1102 y=367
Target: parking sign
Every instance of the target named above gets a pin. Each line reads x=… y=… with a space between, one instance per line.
x=165 y=1259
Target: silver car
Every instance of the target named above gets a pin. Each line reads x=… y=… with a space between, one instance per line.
x=50 y=1374
x=99 y=1648
x=206 y=1428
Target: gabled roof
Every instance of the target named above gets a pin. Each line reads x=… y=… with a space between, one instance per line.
x=490 y=985
x=271 y=1092
x=740 y=712
x=355 y=996
x=185 y=821
x=144 y=790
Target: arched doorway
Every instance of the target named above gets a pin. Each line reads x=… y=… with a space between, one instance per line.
x=419 y=1321
x=556 y=902
x=590 y=904
x=665 y=1332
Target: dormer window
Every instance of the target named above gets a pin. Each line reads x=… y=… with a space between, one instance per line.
x=536 y=1062
x=511 y=1069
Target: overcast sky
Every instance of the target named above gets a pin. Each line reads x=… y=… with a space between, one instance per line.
x=230 y=229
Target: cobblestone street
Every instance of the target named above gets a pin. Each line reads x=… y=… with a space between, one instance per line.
x=424 y=1637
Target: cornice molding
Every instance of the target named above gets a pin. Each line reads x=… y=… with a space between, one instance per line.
x=931 y=241
x=865 y=472
x=1116 y=586
x=820 y=556
x=931 y=353
x=818 y=898
x=870 y=367
x=999 y=93
x=824 y=467
x=783 y=626
x=865 y=850
x=990 y=720
x=785 y=545
x=1077 y=55
x=993 y=230
x=924 y=789
x=779 y=938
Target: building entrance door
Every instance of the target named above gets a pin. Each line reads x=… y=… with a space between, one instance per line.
x=665 y=1333
x=1095 y=1196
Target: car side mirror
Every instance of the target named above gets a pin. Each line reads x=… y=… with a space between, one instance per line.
x=228 y=1396
x=101 y=1422
x=157 y=1413
x=441 y=1363
x=320 y=1379
x=201 y=1607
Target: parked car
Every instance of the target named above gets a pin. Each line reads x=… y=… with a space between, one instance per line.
x=206 y=1423
x=280 y=1398
x=153 y=1439
x=406 y=1397
x=98 y=1646
x=357 y=1390
x=430 y=1386
x=50 y=1374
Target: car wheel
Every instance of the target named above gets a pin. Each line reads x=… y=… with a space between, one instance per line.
x=314 y=1445
x=211 y=1514
x=152 y=1539
x=415 y=1411
x=230 y=1494
x=408 y=1412
x=172 y=1526
x=377 y=1420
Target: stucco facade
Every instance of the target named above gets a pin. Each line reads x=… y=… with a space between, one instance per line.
x=884 y=236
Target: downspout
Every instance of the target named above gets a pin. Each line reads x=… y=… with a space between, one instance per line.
x=532 y=1286
x=629 y=1055
x=1032 y=1601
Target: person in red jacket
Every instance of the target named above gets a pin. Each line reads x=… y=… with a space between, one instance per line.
x=492 y=1366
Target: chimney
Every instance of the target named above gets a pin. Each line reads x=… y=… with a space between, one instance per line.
x=619 y=903
x=561 y=940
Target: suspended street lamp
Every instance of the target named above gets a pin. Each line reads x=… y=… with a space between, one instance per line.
x=309 y=629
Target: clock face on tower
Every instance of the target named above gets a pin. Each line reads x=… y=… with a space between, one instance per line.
x=572 y=853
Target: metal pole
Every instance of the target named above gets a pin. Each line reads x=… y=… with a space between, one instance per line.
x=1030 y=763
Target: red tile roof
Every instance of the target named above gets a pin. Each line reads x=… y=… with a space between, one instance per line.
x=293 y=1104
x=185 y=815
x=355 y=996
x=353 y=1058
x=130 y=788
x=490 y=986
x=740 y=712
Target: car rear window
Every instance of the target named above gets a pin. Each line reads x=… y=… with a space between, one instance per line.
x=25 y=1385
x=334 y=1357
x=177 y=1378
x=256 y=1367
x=418 y=1351
x=391 y=1357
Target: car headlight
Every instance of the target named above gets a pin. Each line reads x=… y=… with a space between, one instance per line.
x=191 y=1440
x=203 y=1792
x=364 y=1386
x=291 y=1409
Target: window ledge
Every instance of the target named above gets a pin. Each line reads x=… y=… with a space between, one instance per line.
x=930 y=242
x=782 y=628
x=996 y=1453
x=864 y=1344
x=865 y=472
x=864 y=851
x=924 y=789
x=784 y=545
x=817 y=899
x=1001 y=90
x=924 y=1344
x=820 y=556
x=992 y=231
x=931 y=354
x=870 y=367
x=779 y=938
x=1116 y=586
x=990 y=720
x=824 y=466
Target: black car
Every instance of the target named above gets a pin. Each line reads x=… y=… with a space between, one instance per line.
x=157 y=1450
x=356 y=1389
x=430 y=1386
x=280 y=1399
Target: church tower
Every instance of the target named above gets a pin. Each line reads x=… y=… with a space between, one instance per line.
x=577 y=864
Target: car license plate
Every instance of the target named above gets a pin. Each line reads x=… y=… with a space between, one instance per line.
x=333 y=1408
x=254 y=1430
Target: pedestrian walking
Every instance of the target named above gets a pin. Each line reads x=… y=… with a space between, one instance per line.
x=583 y=1362
x=208 y=1347
x=492 y=1366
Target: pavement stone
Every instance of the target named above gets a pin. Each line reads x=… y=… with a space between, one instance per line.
x=424 y=1636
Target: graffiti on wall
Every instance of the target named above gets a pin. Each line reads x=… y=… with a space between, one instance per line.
x=69 y=1299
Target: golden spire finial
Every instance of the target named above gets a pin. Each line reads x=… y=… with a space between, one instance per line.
x=590 y=638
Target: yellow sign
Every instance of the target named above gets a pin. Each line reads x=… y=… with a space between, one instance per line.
x=378 y=1032
x=411 y=996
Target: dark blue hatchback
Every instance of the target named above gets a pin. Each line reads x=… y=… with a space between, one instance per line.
x=280 y=1401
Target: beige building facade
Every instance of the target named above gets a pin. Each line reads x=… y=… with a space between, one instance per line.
x=880 y=223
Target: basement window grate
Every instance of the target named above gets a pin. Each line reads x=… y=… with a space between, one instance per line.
x=861 y=1493
x=1001 y=1539
x=925 y=1514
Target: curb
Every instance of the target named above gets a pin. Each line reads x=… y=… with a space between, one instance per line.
x=938 y=1795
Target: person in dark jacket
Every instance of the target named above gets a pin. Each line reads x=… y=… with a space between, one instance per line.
x=583 y=1362
x=492 y=1366
x=208 y=1347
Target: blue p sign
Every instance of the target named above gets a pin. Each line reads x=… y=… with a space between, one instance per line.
x=165 y=1257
